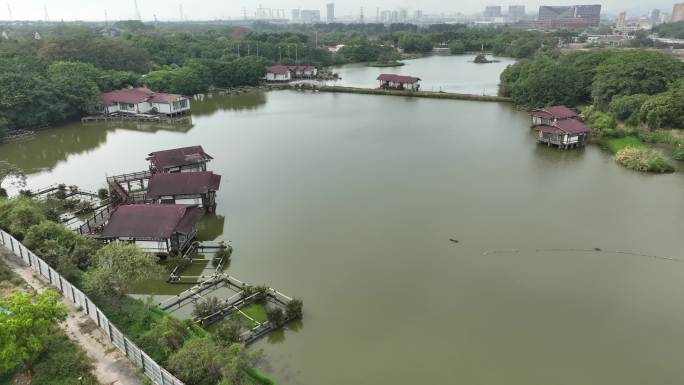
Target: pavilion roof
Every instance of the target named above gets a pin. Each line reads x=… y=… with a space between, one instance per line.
x=182 y=183
x=398 y=78
x=182 y=156
x=151 y=221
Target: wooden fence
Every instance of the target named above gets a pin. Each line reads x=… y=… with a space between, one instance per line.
x=156 y=373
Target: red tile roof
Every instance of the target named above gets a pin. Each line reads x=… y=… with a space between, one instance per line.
x=560 y=112
x=572 y=126
x=183 y=156
x=137 y=95
x=152 y=221
x=278 y=70
x=183 y=183
x=541 y=114
x=398 y=78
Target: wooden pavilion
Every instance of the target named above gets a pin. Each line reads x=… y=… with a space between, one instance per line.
x=559 y=126
x=399 y=82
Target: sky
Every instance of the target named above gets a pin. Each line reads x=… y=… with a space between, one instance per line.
x=213 y=9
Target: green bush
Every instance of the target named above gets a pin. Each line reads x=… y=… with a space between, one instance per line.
x=294 y=308
x=227 y=332
x=678 y=154
x=643 y=159
x=275 y=316
x=625 y=106
x=62 y=362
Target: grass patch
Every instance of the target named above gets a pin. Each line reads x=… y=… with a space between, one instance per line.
x=133 y=316
x=258 y=377
x=256 y=311
x=8 y=277
x=62 y=363
x=614 y=145
x=643 y=159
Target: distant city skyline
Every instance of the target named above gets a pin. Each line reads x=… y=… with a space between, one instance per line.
x=220 y=9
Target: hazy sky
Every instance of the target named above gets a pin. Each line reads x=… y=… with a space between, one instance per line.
x=212 y=9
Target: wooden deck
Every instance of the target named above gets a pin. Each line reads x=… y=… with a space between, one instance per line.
x=134 y=118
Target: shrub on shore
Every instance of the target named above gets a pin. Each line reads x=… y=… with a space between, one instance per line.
x=643 y=159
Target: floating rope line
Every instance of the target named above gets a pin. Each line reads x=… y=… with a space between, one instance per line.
x=594 y=250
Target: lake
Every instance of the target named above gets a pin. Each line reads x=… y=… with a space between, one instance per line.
x=349 y=201
x=455 y=73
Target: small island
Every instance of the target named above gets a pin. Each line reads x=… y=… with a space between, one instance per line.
x=481 y=58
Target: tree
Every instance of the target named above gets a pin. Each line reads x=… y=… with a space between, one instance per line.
x=294 y=308
x=200 y=362
x=275 y=315
x=118 y=266
x=206 y=307
x=25 y=325
x=665 y=110
x=634 y=72
x=164 y=338
x=542 y=82
x=227 y=332
x=75 y=87
x=456 y=47
x=625 y=106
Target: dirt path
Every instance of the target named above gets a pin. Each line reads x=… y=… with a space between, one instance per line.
x=110 y=366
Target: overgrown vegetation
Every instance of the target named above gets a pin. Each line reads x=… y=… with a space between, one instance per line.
x=643 y=159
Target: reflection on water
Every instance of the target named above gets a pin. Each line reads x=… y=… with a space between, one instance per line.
x=207 y=104
x=211 y=227
x=51 y=146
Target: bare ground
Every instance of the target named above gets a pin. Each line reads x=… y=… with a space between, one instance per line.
x=111 y=367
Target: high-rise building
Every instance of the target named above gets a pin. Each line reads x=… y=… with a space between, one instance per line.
x=296 y=15
x=677 y=13
x=654 y=16
x=591 y=14
x=310 y=15
x=621 y=20
x=516 y=12
x=403 y=15
x=492 y=11
x=417 y=15
x=330 y=12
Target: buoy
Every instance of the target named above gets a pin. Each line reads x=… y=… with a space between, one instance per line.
x=453 y=240
x=597 y=249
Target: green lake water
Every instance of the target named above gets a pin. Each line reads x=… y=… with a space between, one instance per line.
x=348 y=202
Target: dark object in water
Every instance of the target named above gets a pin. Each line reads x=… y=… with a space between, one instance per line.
x=453 y=240
x=597 y=249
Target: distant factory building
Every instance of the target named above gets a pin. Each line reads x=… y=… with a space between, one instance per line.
x=572 y=14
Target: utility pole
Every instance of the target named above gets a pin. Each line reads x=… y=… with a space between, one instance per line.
x=106 y=20
x=47 y=18
x=180 y=11
x=257 y=48
x=296 y=57
x=238 y=49
x=9 y=11
x=280 y=55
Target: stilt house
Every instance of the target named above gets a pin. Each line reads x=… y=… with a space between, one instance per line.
x=184 y=159
x=559 y=126
x=160 y=229
x=184 y=188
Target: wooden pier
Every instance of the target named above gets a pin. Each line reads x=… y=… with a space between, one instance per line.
x=134 y=118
